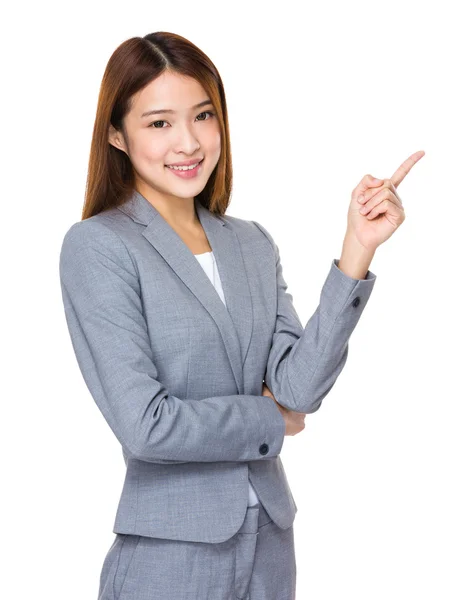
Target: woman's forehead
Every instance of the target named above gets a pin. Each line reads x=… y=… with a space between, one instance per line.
x=171 y=93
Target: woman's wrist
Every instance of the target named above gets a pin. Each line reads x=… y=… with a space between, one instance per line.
x=355 y=260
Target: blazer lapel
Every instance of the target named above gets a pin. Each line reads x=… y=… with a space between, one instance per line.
x=233 y=320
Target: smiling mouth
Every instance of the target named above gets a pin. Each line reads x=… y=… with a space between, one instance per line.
x=185 y=167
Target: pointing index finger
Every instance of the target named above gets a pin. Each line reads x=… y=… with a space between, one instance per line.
x=405 y=167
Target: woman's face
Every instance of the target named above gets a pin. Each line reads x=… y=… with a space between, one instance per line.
x=154 y=141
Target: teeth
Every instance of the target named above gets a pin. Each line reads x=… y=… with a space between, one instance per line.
x=185 y=168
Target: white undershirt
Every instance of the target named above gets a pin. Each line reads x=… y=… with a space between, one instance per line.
x=208 y=263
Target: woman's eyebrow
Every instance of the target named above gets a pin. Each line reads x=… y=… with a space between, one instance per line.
x=168 y=110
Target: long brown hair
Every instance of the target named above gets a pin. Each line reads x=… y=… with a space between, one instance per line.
x=133 y=65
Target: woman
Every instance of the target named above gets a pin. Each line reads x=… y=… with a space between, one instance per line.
x=187 y=338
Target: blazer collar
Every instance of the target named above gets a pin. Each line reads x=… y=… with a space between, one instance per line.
x=234 y=319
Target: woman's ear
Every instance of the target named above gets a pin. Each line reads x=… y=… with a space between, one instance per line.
x=116 y=139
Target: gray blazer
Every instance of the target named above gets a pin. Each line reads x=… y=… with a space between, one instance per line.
x=178 y=375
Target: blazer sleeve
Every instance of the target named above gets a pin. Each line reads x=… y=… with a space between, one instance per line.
x=103 y=309
x=304 y=362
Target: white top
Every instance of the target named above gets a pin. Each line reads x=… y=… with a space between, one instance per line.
x=209 y=265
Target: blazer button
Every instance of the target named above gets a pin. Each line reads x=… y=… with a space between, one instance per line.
x=356 y=301
x=264 y=449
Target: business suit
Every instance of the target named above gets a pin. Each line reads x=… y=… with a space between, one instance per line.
x=178 y=375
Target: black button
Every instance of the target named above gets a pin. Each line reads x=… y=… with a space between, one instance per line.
x=356 y=301
x=264 y=449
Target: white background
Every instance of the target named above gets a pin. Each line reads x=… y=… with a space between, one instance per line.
x=319 y=94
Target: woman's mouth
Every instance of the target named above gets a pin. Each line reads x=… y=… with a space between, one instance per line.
x=186 y=172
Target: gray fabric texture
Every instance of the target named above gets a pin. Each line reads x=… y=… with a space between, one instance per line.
x=178 y=375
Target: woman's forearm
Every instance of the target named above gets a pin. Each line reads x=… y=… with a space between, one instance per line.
x=355 y=259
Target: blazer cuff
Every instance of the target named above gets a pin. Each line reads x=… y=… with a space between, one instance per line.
x=339 y=287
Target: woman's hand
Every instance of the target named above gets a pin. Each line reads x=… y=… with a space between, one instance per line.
x=294 y=421
x=376 y=209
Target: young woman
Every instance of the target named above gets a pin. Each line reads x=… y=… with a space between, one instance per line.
x=187 y=338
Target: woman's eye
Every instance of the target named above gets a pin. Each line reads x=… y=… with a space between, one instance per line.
x=206 y=112
x=156 y=124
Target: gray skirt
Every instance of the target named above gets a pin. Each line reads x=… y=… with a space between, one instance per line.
x=257 y=563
